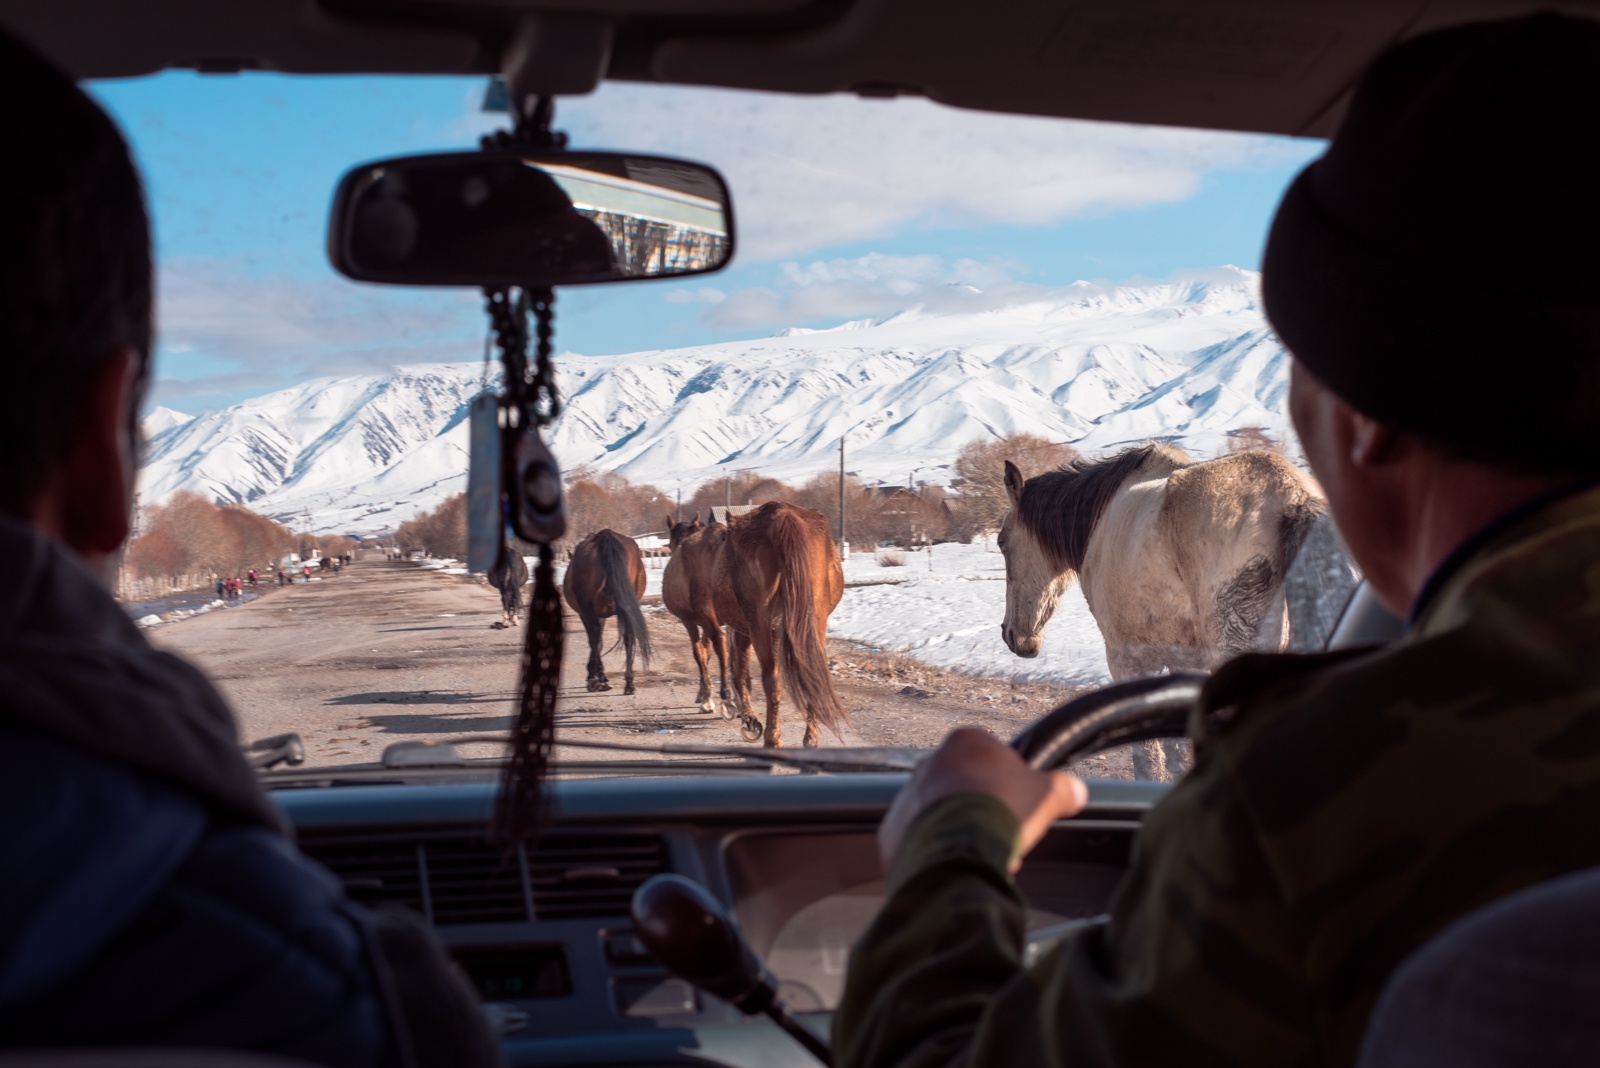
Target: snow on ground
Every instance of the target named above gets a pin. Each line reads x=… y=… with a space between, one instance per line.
x=950 y=616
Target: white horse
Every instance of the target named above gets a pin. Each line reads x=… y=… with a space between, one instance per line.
x=1182 y=563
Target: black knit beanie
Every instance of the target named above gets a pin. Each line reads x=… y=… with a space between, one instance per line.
x=1439 y=266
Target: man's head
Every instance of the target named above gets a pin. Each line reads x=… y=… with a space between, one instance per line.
x=1435 y=276
x=75 y=307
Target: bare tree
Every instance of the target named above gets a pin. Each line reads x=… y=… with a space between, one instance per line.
x=980 y=477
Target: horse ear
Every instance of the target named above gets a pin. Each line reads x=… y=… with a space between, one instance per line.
x=669 y=525
x=1014 y=481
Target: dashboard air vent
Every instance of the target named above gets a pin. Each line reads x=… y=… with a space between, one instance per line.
x=459 y=878
x=581 y=877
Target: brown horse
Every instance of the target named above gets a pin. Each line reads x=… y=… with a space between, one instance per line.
x=686 y=589
x=606 y=578
x=778 y=579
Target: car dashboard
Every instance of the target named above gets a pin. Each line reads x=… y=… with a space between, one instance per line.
x=545 y=936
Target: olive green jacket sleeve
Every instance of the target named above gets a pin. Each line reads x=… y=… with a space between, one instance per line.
x=1198 y=965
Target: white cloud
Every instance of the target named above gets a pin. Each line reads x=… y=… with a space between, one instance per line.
x=870 y=285
x=224 y=330
x=706 y=295
x=809 y=173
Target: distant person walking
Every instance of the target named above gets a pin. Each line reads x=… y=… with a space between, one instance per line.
x=222 y=589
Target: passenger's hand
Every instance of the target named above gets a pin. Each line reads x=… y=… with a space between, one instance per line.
x=973 y=761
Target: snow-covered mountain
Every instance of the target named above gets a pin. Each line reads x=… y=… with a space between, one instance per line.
x=160 y=420
x=1100 y=366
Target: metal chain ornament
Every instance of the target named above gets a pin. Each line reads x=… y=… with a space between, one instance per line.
x=534 y=506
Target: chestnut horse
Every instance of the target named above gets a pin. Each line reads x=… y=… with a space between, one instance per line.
x=778 y=578
x=606 y=578
x=686 y=590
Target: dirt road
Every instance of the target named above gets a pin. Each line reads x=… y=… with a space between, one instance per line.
x=387 y=652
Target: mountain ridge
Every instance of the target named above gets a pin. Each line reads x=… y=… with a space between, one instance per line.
x=1100 y=366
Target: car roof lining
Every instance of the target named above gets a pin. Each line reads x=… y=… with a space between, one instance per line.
x=1267 y=66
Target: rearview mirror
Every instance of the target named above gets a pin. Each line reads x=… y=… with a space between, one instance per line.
x=512 y=217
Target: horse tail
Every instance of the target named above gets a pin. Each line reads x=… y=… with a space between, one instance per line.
x=802 y=658
x=614 y=576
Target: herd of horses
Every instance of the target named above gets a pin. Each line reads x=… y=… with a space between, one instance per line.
x=1183 y=564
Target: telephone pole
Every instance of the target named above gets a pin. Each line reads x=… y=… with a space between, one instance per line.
x=911 y=518
x=844 y=544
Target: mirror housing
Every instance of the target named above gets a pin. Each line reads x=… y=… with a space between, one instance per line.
x=529 y=217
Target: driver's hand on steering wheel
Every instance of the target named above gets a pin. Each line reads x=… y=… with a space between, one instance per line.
x=973 y=761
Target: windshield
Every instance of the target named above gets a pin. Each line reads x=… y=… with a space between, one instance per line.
x=919 y=296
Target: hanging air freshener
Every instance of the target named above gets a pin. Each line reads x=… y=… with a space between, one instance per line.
x=486 y=514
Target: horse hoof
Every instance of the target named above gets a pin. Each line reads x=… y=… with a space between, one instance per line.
x=628 y=691
x=728 y=709
x=750 y=729
x=598 y=686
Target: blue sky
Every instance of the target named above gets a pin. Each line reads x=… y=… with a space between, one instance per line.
x=846 y=208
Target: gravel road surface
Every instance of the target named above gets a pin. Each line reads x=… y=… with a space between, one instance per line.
x=388 y=652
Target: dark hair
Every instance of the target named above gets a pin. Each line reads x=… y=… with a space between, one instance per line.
x=1060 y=508
x=75 y=272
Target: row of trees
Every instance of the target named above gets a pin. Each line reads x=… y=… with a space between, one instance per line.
x=440 y=532
x=974 y=503
x=599 y=500
x=190 y=541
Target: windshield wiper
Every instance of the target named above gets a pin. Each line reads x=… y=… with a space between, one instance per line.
x=445 y=754
x=433 y=758
x=267 y=753
x=829 y=760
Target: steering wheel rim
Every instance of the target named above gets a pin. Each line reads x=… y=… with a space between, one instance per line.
x=1156 y=706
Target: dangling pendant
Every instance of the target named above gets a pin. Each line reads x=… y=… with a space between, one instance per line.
x=539 y=508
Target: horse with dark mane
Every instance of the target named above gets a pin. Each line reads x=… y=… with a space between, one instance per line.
x=687 y=587
x=1182 y=563
x=508 y=575
x=778 y=578
x=606 y=578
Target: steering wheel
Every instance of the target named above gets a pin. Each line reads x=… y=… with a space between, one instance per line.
x=691 y=933
x=1157 y=706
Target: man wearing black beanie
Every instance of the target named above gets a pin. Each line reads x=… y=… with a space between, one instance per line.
x=1435 y=276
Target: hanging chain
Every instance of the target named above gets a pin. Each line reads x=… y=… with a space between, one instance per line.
x=530 y=402
x=546 y=398
x=534 y=396
x=531 y=492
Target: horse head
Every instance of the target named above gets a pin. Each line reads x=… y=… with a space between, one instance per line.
x=677 y=532
x=1034 y=581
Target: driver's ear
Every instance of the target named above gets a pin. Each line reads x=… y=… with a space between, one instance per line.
x=90 y=491
x=1370 y=442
